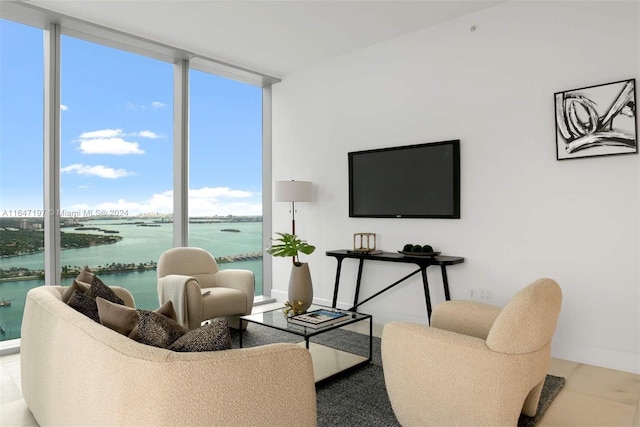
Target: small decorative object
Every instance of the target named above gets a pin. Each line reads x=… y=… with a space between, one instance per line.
x=365 y=243
x=300 y=286
x=293 y=309
x=318 y=318
x=596 y=121
x=418 y=250
x=361 y=237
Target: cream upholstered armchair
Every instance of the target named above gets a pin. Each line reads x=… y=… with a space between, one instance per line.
x=200 y=291
x=477 y=364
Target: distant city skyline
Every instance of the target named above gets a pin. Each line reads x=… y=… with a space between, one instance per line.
x=117 y=132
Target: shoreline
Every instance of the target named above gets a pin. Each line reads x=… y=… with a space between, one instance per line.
x=133 y=268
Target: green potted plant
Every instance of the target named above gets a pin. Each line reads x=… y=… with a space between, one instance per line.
x=290 y=245
x=300 y=286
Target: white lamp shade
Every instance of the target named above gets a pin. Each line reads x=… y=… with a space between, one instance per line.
x=292 y=191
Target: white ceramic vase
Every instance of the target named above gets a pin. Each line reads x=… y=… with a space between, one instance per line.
x=300 y=286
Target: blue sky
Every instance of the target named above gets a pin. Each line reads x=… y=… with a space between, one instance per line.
x=117 y=131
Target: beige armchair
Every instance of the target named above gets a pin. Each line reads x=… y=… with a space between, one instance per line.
x=477 y=364
x=200 y=291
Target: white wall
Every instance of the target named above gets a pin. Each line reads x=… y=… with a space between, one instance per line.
x=525 y=215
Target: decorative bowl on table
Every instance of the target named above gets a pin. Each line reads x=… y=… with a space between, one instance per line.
x=420 y=254
x=418 y=251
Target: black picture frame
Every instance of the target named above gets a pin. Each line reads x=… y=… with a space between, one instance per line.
x=597 y=121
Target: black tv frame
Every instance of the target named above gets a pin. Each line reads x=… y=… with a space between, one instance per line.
x=455 y=211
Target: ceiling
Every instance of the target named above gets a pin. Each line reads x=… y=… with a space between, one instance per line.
x=274 y=38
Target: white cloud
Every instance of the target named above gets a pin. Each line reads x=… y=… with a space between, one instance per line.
x=117 y=146
x=103 y=133
x=216 y=193
x=204 y=201
x=132 y=207
x=154 y=104
x=97 y=170
x=207 y=201
x=80 y=207
x=146 y=134
x=63 y=107
x=107 y=141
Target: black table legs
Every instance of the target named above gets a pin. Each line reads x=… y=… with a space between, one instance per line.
x=427 y=297
x=445 y=283
x=337 y=283
x=425 y=284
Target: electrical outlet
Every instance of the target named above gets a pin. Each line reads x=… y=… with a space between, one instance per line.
x=485 y=294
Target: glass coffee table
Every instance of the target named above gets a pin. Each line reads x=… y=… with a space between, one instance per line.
x=327 y=360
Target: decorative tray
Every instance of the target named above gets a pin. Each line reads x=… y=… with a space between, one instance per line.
x=419 y=254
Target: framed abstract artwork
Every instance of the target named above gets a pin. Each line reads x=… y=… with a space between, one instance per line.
x=597 y=121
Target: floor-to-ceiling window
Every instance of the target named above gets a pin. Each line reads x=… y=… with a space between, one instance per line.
x=225 y=171
x=21 y=169
x=116 y=161
x=116 y=165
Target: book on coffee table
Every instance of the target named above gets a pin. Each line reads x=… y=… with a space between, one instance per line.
x=318 y=318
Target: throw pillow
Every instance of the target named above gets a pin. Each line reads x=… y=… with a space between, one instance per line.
x=123 y=319
x=99 y=289
x=157 y=330
x=212 y=337
x=84 y=304
x=167 y=310
x=118 y=317
x=85 y=275
x=78 y=285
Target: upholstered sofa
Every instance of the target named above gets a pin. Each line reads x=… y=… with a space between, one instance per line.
x=77 y=372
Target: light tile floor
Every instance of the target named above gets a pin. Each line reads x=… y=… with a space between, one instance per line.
x=592 y=396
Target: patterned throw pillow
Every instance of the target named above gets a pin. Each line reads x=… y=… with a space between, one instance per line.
x=76 y=285
x=157 y=330
x=84 y=300
x=212 y=337
x=99 y=289
x=84 y=304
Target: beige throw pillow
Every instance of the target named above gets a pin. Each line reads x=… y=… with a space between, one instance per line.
x=85 y=275
x=120 y=318
x=124 y=320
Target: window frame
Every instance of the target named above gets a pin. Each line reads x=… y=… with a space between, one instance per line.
x=54 y=26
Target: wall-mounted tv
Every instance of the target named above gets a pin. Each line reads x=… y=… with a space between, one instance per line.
x=411 y=181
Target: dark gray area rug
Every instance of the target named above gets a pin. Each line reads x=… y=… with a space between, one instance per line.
x=359 y=397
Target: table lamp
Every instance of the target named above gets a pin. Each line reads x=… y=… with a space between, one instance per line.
x=292 y=191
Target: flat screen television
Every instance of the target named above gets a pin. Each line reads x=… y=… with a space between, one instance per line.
x=411 y=181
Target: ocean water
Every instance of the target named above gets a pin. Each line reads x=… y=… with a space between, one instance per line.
x=139 y=245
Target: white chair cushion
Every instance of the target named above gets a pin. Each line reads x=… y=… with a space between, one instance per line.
x=223 y=302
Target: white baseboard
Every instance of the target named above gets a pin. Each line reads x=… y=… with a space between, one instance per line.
x=596 y=356
x=9 y=347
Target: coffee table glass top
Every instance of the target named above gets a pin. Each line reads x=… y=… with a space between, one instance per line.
x=277 y=319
